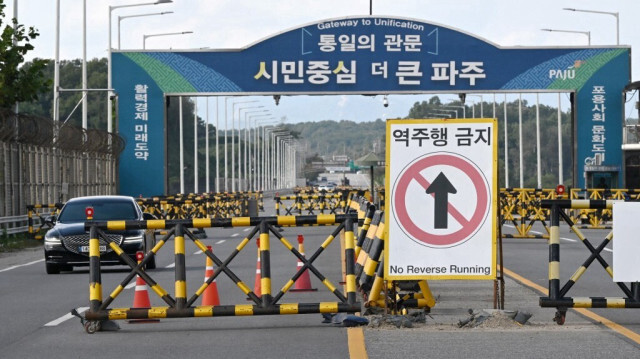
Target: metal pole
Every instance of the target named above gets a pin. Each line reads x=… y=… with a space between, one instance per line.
x=195 y=146
x=56 y=69
x=226 y=186
x=217 y=189
x=233 y=148
x=617 y=15
x=520 y=140
x=56 y=105
x=538 y=139
x=246 y=158
x=206 y=146
x=560 y=169
x=84 y=64
x=109 y=82
x=494 y=106
x=506 y=145
x=181 y=149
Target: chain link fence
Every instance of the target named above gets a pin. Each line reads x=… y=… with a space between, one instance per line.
x=46 y=162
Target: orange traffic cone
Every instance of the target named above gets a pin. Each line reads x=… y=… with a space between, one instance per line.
x=257 y=286
x=210 y=295
x=141 y=295
x=303 y=283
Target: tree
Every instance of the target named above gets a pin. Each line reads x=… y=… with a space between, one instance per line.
x=18 y=83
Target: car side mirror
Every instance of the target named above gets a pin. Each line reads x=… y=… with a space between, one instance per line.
x=50 y=220
x=148 y=216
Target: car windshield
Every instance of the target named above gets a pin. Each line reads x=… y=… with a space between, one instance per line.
x=103 y=210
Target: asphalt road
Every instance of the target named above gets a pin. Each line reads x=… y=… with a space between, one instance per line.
x=530 y=258
x=34 y=305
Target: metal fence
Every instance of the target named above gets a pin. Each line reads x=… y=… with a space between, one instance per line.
x=46 y=162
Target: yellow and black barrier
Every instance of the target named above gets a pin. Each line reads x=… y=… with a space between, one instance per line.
x=290 y=209
x=365 y=246
x=556 y=298
x=217 y=205
x=521 y=207
x=41 y=211
x=310 y=204
x=178 y=306
x=369 y=269
x=417 y=294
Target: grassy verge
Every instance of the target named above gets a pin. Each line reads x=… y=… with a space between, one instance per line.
x=16 y=242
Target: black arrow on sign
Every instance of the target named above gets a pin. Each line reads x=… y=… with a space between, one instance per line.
x=441 y=187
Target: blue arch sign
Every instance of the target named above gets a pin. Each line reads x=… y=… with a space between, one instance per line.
x=366 y=55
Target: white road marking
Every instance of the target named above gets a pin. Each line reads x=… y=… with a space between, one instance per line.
x=247 y=229
x=220 y=241
x=234 y=235
x=197 y=252
x=21 y=265
x=130 y=285
x=608 y=250
x=171 y=265
x=569 y=239
x=65 y=317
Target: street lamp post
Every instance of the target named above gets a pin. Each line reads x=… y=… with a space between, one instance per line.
x=248 y=160
x=481 y=105
x=233 y=142
x=464 y=109
x=242 y=165
x=473 y=108
x=145 y=37
x=588 y=33
x=109 y=82
x=614 y=14
x=120 y=18
x=447 y=115
x=451 y=111
x=259 y=148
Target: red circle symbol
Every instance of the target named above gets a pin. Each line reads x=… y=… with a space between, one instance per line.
x=468 y=226
x=560 y=189
x=88 y=211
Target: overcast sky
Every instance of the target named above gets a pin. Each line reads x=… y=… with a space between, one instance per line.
x=226 y=24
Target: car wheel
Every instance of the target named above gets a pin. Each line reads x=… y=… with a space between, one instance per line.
x=52 y=268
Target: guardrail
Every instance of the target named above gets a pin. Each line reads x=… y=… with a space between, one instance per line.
x=14 y=224
x=181 y=307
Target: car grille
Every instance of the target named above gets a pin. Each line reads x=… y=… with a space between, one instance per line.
x=73 y=243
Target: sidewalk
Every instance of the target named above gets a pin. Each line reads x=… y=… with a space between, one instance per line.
x=540 y=337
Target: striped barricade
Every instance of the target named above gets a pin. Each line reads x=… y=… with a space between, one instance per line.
x=557 y=295
x=179 y=306
x=41 y=211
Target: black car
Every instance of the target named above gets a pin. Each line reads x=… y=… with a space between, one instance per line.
x=67 y=244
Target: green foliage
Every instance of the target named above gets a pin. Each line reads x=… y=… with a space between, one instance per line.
x=17 y=83
x=340 y=138
x=548 y=139
x=71 y=78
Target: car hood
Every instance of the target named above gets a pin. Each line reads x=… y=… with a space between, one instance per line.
x=74 y=229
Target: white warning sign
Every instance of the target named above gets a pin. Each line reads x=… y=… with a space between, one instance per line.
x=441 y=213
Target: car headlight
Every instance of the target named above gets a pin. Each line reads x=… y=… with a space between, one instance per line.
x=138 y=238
x=51 y=241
